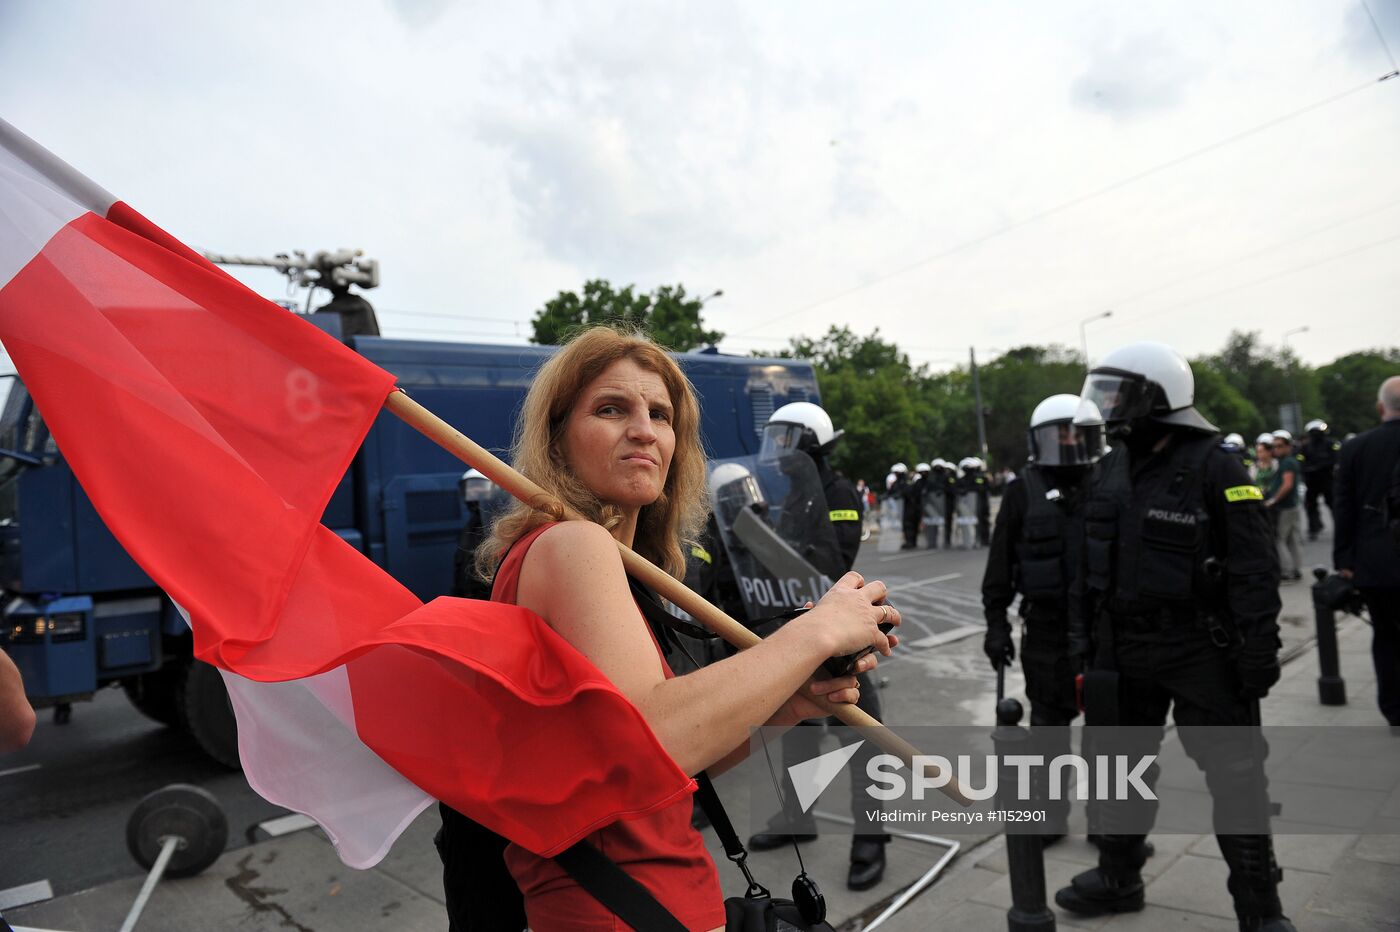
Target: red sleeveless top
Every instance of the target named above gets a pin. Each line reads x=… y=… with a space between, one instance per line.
x=661 y=850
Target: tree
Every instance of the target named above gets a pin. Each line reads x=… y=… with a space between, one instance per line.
x=1348 y=387
x=1012 y=385
x=668 y=315
x=1220 y=403
x=873 y=394
x=1265 y=376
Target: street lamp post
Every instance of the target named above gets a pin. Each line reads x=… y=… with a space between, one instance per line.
x=1293 y=381
x=1083 y=337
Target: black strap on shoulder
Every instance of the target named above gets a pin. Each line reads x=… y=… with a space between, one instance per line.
x=660 y=620
x=709 y=801
x=626 y=898
x=618 y=891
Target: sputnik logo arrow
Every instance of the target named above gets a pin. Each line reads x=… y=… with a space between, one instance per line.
x=811 y=778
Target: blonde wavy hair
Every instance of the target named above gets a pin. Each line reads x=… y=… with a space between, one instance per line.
x=537 y=451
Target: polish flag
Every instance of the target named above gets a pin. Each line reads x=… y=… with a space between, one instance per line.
x=209 y=427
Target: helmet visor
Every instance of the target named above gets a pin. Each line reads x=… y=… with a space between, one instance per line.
x=477 y=489
x=1120 y=397
x=1061 y=443
x=780 y=441
x=736 y=495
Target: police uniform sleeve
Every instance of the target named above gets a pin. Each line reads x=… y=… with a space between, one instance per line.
x=845 y=521
x=999 y=578
x=1236 y=507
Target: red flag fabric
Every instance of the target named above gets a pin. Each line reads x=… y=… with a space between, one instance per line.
x=210 y=427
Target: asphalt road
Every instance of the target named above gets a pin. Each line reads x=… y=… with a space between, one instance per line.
x=65 y=799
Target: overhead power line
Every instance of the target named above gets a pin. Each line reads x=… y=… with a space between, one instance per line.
x=1199 y=273
x=1284 y=273
x=1076 y=201
x=1380 y=36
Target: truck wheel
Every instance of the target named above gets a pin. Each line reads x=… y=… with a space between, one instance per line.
x=155 y=694
x=207 y=714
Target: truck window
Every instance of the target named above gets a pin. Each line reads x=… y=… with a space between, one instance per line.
x=21 y=430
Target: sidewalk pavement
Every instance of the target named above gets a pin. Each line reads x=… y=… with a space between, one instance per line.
x=1337 y=883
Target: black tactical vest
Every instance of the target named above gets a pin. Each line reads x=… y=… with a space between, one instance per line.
x=1149 y=546
x=1041 y=553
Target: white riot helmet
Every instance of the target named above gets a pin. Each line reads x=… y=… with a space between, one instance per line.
x=733 y=487
x=1144 y=380
x=1065 y=430
x=969 y=462
x=1284 y=435
x=1264 y=440
x=899 y=469
x=922 y=469
x=1234 y=442
x=1316 y=424
x=800 y=425
x=474 y=486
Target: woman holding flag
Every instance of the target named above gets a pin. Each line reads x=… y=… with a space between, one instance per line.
x=610 y=427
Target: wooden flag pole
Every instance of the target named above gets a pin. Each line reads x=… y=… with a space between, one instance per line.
x=522 y=488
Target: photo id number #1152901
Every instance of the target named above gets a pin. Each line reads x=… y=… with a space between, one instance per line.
x=991 y=816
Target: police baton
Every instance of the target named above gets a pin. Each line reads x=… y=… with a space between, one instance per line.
x=522 y=488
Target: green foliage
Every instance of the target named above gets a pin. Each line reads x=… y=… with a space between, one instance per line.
x=873 y=394
x=667 y=315
x=1348 y=386
x=893 y=411
x=1265 y=377
x=1222 y=404
x=1012 y=385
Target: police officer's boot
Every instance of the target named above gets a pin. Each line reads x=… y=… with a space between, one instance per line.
x=1253 y=883
x=1115 y=886
x=867 y=861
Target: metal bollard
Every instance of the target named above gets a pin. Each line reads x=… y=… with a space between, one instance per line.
x=1331 y=688
x=1025 y=854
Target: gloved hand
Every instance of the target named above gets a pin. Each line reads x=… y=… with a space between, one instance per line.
x=997 y=645
x=1258 y=666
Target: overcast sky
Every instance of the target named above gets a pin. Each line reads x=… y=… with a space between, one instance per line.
x=957 y=174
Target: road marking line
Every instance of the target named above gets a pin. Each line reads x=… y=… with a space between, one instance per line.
x=923 y=582
x=902 y=556
x=285 y=825
x=947 y=637
x=25 y=769
x=25 y=894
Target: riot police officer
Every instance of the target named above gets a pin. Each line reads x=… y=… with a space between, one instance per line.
x=1175 y=604
x=1033 y=553
x=973 y=484
x=1234 y=444
x=936 y=502
x=804 y=427
x=475 y=490
x=1318 y=459
x=949 y=501
x=913 y=497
